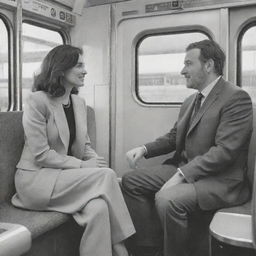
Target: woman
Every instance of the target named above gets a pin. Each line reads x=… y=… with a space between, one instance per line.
x=58 y=169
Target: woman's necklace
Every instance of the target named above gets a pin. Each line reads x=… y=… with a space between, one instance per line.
x=66 y=105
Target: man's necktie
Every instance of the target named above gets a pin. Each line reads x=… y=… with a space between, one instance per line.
x=197 y=105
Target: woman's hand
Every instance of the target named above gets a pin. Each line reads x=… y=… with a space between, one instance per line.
x=97 y=162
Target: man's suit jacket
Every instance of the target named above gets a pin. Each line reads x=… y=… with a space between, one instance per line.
x=215 y=144
x=46 y=145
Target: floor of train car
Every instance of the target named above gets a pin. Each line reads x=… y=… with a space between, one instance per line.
x=222 y=249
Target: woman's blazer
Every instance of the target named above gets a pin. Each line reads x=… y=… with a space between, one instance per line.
x=46 y=145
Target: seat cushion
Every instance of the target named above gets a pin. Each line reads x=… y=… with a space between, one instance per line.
x=242 y=209
x=37 y=222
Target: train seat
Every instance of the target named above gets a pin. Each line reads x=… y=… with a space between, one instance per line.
x=231 y=229
x=53 y=233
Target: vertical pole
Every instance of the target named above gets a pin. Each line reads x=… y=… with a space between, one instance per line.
x=112 y=90
x=17 y=58
x=224 y=38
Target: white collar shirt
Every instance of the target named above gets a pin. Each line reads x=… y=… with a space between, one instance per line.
x=206 y=91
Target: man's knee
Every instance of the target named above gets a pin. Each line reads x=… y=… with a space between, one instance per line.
x=162 y=201
x=170 y=204
x=129 y=181
x=178 y=201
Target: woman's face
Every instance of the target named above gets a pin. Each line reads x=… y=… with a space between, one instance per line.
x=74 y=77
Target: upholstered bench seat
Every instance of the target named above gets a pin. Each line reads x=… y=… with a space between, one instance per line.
x=241 y=209
x=36 y=222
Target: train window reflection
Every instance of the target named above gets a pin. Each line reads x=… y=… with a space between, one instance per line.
x=248 y=61
x=159 y=62
x=37 y=42
x=4 y=67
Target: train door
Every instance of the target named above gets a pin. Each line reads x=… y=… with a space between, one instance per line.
x=242 y=45
x=148 y=59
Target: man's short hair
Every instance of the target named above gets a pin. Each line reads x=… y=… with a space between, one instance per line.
x=210 y=50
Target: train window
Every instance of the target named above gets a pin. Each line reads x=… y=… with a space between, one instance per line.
x=37 y=42
x=248 y=61
x=159 y=61
x=4 y=67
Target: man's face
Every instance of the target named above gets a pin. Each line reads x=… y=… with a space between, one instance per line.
x=194 y=70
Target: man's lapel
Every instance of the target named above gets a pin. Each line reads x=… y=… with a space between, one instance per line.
x=212 y=97
x=183 y=124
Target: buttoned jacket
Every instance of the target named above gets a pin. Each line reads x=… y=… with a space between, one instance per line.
x=45 y=150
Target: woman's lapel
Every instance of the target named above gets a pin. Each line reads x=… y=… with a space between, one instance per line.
x=61 y=122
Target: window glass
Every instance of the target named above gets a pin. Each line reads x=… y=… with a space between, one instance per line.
x=37 y=42
x=4 y=67
x=159 y=62
x=248 y=61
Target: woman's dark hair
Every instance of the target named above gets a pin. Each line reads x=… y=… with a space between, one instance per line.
x=56 y=62
x=210 y=50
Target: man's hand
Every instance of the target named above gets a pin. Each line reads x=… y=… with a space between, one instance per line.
x=97 y=162
x=176 y=179
x=134 y=155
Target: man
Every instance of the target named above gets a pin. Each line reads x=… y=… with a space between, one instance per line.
x=207 y=171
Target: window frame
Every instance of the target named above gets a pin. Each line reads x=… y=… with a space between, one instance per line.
x=139 y=40
x=50 y=26
x=62 y=30
x=242 y=32
x=9 y=29
x=12 y=23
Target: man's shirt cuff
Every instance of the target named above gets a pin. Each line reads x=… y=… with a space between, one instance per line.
x=181 y=173
x=145 y=150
